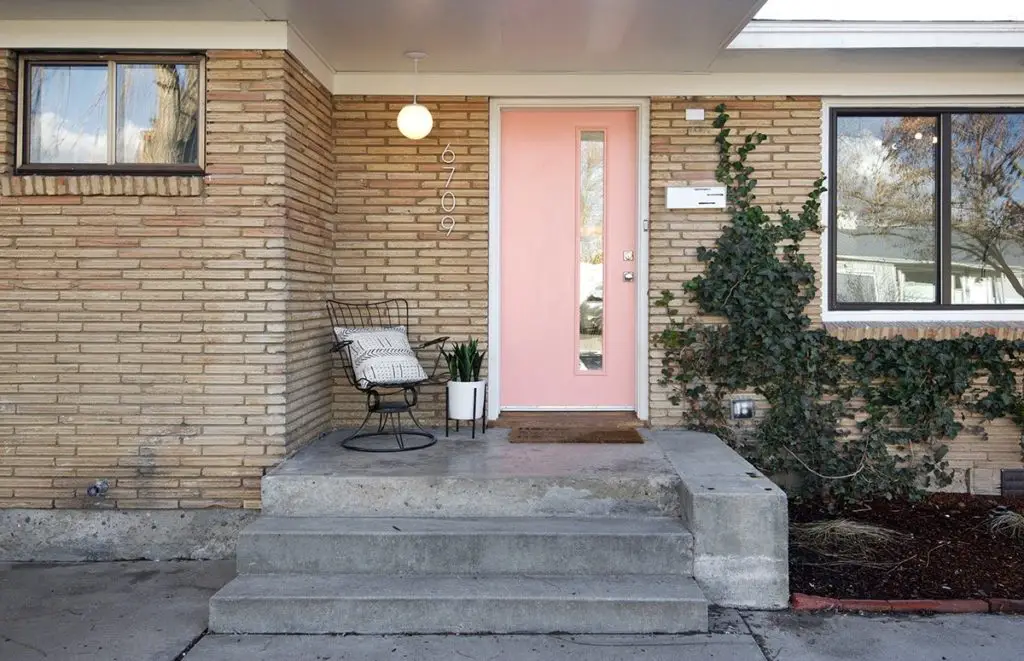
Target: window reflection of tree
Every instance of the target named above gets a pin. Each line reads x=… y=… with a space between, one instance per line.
x=174 y=128
x=51 y=85
x=60 y=112
x=592 y=197
x=885 y=187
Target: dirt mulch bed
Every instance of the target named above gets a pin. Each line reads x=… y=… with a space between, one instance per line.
x=947 y=552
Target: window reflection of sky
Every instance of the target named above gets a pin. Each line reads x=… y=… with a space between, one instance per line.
x=886 y=239
x=69 y=114
x=70 y=110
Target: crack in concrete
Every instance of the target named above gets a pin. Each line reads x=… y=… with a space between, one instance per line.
x=188 y=648
x=8 y=639
x=760 y=641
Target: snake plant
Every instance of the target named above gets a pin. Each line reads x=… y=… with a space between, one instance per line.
x=464 y=361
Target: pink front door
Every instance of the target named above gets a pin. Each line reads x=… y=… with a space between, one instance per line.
x=568 y=259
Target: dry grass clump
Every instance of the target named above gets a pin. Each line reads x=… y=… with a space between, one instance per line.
x=846 y=539
x=1008 y=523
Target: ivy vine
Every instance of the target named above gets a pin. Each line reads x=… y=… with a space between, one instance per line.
x=846 y=420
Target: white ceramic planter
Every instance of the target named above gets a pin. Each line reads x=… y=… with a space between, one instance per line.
x=460 y=399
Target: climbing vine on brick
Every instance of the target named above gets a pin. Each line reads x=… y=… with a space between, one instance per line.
x=846 y=420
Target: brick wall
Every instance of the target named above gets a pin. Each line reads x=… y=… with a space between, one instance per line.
x=143 y=320
x=683 y=153
x=388 y=242
x=8 y=108
x=975 y=458
x=310 y=211
x=168 y=333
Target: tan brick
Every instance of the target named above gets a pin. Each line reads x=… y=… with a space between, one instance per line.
x=113 y=324
x=390 y=186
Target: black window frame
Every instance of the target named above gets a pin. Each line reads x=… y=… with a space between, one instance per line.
x=943 y=204
x=86 y=58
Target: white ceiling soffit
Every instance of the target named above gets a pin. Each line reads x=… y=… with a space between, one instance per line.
x=816 y=35
x=881 y=61
x=131 y=10
x=460 y=36
x=519 y=36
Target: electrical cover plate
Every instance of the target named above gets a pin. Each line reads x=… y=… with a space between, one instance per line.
x=1012 y=482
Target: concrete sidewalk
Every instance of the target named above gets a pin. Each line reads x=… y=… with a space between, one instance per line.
x=156 y=611
x=117 y=611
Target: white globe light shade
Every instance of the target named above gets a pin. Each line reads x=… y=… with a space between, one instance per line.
x=414 y=121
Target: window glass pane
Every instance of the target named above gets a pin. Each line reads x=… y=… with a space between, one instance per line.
x=987 y=214
x=591 y=251
x=885 y=209
x=67 y=109
x=158 y=113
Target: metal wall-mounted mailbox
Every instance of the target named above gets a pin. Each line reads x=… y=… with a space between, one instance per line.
x=695 y=197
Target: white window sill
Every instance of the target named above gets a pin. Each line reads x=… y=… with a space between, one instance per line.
x=945 y=317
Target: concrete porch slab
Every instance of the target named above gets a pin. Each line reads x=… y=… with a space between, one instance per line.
x=486 y=477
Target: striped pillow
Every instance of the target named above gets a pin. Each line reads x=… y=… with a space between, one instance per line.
x=381 y=356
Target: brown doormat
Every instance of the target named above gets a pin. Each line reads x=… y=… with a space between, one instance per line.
x=522 y=434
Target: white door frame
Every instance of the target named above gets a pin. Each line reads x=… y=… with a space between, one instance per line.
x=642 y=106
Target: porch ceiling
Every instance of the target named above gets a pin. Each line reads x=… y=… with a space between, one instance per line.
x=462 y=36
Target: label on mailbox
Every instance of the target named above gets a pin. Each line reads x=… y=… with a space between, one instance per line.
x=695 y=197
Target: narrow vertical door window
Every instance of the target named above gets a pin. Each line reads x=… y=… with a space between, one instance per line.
x=591 y=250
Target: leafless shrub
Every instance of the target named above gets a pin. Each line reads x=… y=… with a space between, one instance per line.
x=1008 y=523
x=843 y=538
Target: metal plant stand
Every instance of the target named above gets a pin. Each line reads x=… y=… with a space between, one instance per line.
x=448 y=418
x=389 y=402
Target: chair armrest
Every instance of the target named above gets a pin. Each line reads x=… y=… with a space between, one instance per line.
x=430 y=343
x=338 y=346
x=439 y=342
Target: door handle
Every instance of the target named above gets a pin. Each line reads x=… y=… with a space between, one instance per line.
x=627 y=276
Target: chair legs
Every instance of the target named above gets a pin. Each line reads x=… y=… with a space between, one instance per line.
x=389 y=425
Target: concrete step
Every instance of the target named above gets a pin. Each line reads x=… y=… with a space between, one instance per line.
x=447 y=497
x=568 y=546
x=367 y=604
x=483 y=478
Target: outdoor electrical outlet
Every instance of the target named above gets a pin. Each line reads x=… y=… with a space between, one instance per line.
x=742 y=409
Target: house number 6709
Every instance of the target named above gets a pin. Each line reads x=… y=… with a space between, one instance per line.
x=448 y=196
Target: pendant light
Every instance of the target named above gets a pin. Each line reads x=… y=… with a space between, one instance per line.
x=414 y=120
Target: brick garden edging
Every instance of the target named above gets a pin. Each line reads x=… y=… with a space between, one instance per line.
x=807 y=602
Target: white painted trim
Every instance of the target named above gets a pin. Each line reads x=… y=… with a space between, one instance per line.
x=713 y=84
x=493 y=257
x=643 y=111
x=643 y=249
x=879 y=34
x=167 y=35
x=882 y=317
x=913 y=317
x=123 y=35
x=526 y=409
x=310 y=58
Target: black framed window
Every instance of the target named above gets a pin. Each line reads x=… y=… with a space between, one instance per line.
x=926 y=208
x=111 y=113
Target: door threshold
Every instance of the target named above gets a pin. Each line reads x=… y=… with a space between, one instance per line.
x=590 y=419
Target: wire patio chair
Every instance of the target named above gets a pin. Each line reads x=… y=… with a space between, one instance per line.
x=398 y=393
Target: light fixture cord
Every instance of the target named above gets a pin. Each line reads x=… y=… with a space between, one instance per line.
x=415 y=77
